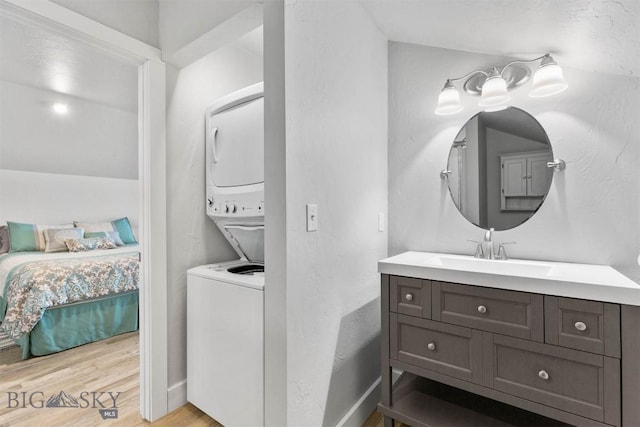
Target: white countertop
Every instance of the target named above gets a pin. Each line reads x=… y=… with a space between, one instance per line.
x=584 y=281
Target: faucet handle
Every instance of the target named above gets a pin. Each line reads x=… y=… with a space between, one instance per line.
x=479 y=252
x=502 y=254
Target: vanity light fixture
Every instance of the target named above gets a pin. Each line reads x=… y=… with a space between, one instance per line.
x=493 y=86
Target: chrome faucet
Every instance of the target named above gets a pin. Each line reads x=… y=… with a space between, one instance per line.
x=487 y=245
x=486 y=249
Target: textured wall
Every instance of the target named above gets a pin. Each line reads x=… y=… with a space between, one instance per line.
x=193 y=239
x=592 y=212
x=336 y=154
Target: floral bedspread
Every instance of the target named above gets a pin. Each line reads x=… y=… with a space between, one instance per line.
x=33 y=287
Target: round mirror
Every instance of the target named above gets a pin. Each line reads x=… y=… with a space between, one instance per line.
x=498 y=163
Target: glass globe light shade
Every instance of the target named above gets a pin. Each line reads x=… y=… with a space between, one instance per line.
x=548 y=80
x=494 y=92
x=448 y=101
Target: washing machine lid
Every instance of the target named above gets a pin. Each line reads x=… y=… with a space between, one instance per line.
x=246 y=240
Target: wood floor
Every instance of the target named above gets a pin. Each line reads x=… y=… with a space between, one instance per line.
x=106 y=366
x=109 y=365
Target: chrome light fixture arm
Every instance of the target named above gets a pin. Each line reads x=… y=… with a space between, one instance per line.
x=526 y=61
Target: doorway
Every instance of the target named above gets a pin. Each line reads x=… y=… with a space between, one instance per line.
x=151 y=181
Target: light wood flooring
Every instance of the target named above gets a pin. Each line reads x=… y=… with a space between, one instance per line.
x=109 y=365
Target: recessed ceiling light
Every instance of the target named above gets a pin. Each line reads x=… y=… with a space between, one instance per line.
x=60 y=108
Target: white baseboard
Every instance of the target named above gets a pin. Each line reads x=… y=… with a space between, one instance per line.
x=358 y=414
x=360 y=411
x=177 y=395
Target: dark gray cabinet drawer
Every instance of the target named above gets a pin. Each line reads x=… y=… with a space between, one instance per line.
x=581 y=383
x=518 y=314
x=410 y=296
x=439 y=347
x=584 y=325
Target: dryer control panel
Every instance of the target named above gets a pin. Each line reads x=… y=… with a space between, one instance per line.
x=234 y=208
x=245 y=205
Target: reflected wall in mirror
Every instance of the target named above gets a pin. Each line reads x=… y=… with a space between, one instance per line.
x=498 y=162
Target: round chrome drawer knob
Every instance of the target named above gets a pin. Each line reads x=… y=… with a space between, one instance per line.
x=431 y=346
x=408 y=297
x=581 y=326
x=482 y=309
x=544 y=375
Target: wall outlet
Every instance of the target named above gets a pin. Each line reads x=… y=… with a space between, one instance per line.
x=312 y=217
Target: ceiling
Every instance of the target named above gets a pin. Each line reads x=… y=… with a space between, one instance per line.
x=36 y=56
x=593 y=35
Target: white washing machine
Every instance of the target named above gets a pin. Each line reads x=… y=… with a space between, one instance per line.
x=225 y=342
x=225 y=332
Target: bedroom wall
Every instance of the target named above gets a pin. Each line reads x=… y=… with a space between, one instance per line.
x=53 y=198
x=591 y=214
x=193 y=239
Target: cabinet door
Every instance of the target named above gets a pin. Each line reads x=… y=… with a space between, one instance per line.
x=538 y=175
x=410 y=296
x=514 y=177
x=584 y=325
x=519 y=314
x=582 y=383
x=447 y=349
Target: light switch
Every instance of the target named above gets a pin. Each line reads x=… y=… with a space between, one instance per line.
x=312 y=217
x=380 y=221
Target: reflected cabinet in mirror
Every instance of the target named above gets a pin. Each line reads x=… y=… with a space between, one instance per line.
x=498 y=163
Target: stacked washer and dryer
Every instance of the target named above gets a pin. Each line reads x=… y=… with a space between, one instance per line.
x=225 y=332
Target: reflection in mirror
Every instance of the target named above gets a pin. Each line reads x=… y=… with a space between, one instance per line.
x=498 y=162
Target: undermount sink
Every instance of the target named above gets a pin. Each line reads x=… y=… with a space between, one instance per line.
x=510 y=267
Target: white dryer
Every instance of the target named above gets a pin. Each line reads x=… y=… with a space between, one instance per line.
x=234 y=128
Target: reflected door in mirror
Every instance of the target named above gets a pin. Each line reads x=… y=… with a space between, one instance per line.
x=498 y=162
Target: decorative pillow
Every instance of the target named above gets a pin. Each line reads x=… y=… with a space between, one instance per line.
x=114 y=235
x=121 y=225
x=4 y=239
x=55 y=238
x=90 y=244
x=29 y=237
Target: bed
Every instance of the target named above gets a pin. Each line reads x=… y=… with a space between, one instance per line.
x=55 y=301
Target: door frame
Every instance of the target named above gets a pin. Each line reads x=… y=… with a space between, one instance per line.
x=152 y=186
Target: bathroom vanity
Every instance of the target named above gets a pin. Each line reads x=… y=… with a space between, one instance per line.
x=557 y=339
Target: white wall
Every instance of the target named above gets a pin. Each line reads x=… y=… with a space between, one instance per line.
x=336 y=157
x=183 y=21
x=136 y=18
x=193 y=239
x=591 y=214
x=92 y=139
x=46 y=198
